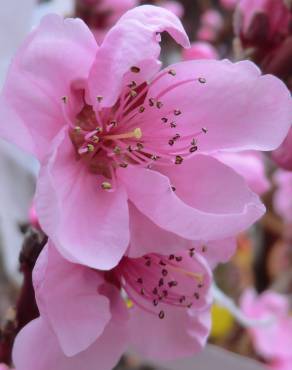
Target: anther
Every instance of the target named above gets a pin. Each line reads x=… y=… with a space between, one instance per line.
x=132 y=85
x=117 y=150
x=155 y=291
x=135 y=69
x=133 y=93
x=197 y=295
x=151 y=102
x=178 y=159
x=172 y=72
x=140 y=146
x=99 y=98
x=172 y=283
x=177 y=112
x=155 y=302
x=123 y=165
x=161 y=315
x=106 y=185
x=161 y=282
x=193 y=149
x=205 y=130
x=141 y=109
x=172 y=124
x=164 y=272
x=171 y=257
x=176 y=137
x=202 y=80
x=159 y=104
x=90 y=148
x=164 y=119
x=65 y=99
x=171 y=142
x=77 y=129
x=173 y=188
x=179 y=258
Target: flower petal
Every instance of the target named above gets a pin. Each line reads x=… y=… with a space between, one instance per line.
x=239 y=108
x=67 y=295
x=57 y=54
x=36 y=347
x=86 y=224
x=210 y=202
x=131 y=41
x=153 y=239
x=181 y=333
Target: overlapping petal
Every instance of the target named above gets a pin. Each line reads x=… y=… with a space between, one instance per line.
x=200 y=208
x=57 y=54
x=181 y=333
x=129 y=43
x=87 y=225
x=239 y=108
x=36 y=347
x=61 y=286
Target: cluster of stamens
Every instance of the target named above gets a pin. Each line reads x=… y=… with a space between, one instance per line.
x=152 y=282
x=118 y=137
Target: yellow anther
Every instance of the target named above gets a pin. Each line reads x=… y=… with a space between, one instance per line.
x=95 y=139
x=90 y=148
x=77 y=129
x=137 y=133
x=106 y=185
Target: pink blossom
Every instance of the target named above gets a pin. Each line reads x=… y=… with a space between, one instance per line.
x=283 y=195
x=124 y=149
x=173 y=6
x=211 y=23
x=249 y=165
x=228 y=4
x=272 y=339
x=283 y=364
x=85 y=321
x=263 y=22
x=4 y=367
x=283 y=155
x=200 y=50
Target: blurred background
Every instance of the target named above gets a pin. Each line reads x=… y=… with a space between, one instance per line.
x=258 y=279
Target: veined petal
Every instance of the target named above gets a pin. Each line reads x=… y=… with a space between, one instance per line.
x=236 y=107
x=56 y=55
x=36 y=347
x=210 y=202
x=132 y=41
x=67 y=295
x=86 y=224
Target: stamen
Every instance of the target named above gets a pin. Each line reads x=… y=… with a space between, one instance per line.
x=106 y=185
x=136 y=133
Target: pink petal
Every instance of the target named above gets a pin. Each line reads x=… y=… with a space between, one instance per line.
x=67 y=295
x=87 y=224
x=57 y=54
x=240 y=108
x=250 y=165
x=133 y=40
x=181 y=333
x=217 y=251
x=36 y=348
x=210 y=202
x=153 y=239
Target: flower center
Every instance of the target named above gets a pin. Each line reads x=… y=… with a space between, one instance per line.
x=131 y=132
x=155 y=282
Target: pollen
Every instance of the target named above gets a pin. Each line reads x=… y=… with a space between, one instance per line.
x=106 y=185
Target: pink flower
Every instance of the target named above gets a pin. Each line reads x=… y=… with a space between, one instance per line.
x=283 y=364
x=3 y=367
x=283 y=195
x=84 y=321
x=263 y=22
x=283 y=155
x=116 y=138
x=200 y=50
x=173 y=6
x=249 y=165
x=211 y=23
x=272 y=339
x=228 y=4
